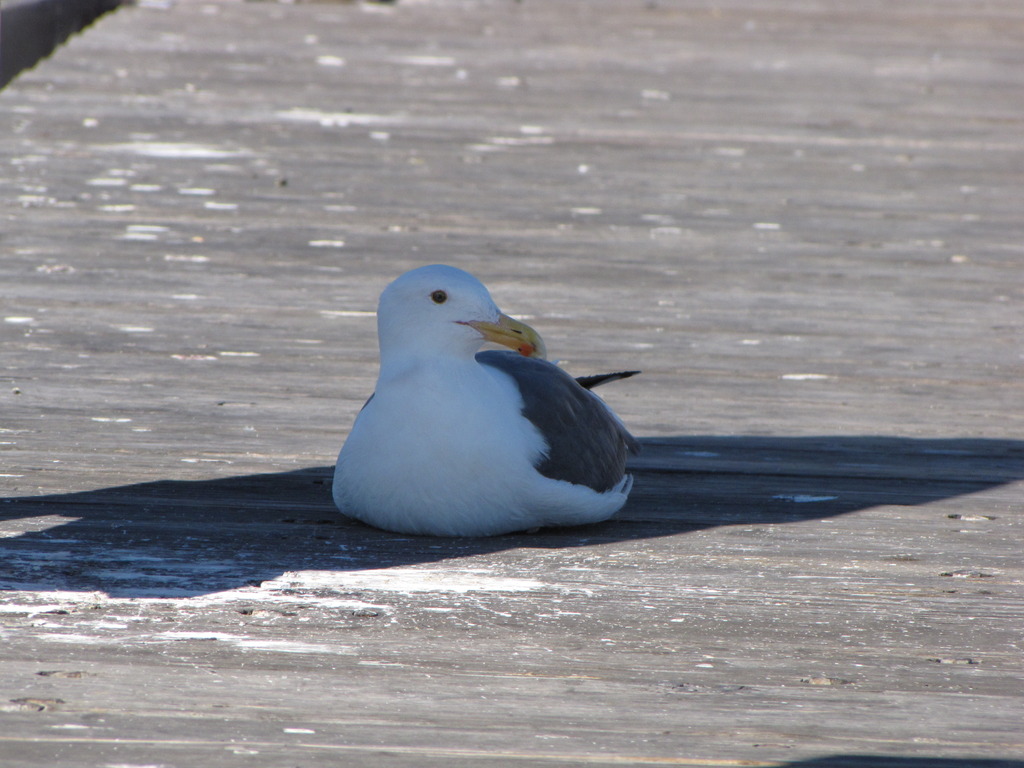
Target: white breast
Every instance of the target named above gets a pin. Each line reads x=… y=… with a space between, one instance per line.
x=443 y=450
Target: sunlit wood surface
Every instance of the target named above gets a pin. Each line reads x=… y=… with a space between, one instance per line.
x=802 y=220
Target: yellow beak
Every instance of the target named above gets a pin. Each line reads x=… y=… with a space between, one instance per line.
x=511 y=333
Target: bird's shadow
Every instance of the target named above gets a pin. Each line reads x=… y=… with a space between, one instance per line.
x=173 y=538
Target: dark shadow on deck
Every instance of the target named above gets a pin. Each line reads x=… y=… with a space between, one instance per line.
x=31 y=30
x=887 y=761
x=181 y=538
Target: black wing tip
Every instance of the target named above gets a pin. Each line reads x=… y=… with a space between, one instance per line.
x=589 y=382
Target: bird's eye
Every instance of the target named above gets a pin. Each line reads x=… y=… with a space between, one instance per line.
x=439 y=297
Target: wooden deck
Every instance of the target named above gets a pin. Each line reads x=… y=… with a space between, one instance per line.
x=802 y=220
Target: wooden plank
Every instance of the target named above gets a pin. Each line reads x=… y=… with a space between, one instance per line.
x=801 y=221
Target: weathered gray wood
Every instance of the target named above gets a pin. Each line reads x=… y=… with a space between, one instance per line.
x=801 y=220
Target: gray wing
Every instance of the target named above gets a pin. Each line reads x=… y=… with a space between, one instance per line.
x=587 y=444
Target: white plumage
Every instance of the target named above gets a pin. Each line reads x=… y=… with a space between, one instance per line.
x=448 y=445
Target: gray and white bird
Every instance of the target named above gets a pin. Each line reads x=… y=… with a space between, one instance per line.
x=459 y=442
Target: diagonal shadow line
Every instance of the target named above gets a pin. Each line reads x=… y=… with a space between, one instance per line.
x=173 y=538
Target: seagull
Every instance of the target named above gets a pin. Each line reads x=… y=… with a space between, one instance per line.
x=455 y=441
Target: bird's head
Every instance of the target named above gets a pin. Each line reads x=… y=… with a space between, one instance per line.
x=442 y=310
